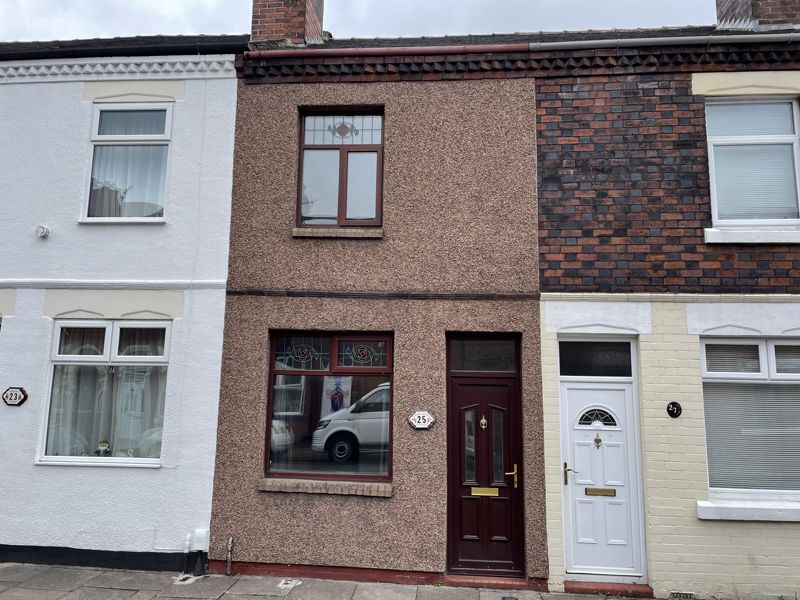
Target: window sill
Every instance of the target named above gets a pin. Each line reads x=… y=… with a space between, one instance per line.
x=312 y=486
x=79 y=461
x=367 y=233
x=753 y=235
x=748 y=510
x=123 y=221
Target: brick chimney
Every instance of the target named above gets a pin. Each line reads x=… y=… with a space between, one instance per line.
x=296 y=22
x=758 y=13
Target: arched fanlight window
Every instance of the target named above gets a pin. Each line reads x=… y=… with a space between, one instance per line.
x=594 y=415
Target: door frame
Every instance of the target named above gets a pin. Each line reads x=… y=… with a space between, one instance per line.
x=636 y=473
x=453 y=426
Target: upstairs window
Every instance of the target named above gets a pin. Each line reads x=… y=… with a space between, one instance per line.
x=753 y=154
x=129 y=161
x=341 y=170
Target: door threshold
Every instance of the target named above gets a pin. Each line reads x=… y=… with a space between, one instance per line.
x=536 y=584
x=609 y=588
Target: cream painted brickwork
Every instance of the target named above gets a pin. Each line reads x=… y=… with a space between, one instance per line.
x=723 y=559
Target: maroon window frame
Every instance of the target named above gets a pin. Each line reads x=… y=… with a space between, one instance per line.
x=334 y=368
x=344 y=153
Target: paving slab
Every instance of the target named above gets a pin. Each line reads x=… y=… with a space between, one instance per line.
x=148 y=595
x=88 y=593
x=259 y=586
x=323 y=589
x=20 y=571
x=134 y=580
x=385 y=591
x=511 y=595
x=4 y=585
x=25 y=594
x=433 y=592
x=62 y=578
x=210 y=586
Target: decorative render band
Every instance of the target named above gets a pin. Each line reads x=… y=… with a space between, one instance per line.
x=81 y=69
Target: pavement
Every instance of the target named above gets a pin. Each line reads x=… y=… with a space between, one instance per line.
x=45 y=582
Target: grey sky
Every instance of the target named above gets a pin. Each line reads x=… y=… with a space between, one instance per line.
x=69 y=19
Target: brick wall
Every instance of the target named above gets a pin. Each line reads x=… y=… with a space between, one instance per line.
x=776 y=12
x=624 y=193
x=298 y=21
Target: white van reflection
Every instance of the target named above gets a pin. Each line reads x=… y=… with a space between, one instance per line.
x=362 y=426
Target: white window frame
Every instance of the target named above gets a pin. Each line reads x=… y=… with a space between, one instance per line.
x=750 y=504
x=753 y=230
x=129 y=140
x=110 y=357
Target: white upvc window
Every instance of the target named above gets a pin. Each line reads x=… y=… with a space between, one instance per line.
x=107 y=392
x=751 y=394
x=754 y=149
x=128 y=177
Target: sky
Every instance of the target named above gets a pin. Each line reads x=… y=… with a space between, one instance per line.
x=22 y=20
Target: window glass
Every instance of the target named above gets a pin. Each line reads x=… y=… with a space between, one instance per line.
x=320 y=203
x=750 y=118
x=141 y=341
x=756 y=181
x=82 y=341
x=787 y=359
x=132 y=122
x=469 y=446
x=362 y=174
x=732 y=358
x=362 y=353
x=303 y=352
x=482 y=355
x=128 y=181
x=595 y=359
x=498 y=472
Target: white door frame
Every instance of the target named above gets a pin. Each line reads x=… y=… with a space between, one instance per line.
x=635 y=472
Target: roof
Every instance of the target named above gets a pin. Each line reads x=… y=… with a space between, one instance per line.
x=126 y=46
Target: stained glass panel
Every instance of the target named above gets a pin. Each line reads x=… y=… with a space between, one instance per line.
x=362 y=353
x=345 y=130
x=306 y=353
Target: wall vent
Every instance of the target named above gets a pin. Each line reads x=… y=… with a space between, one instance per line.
x=682 y=596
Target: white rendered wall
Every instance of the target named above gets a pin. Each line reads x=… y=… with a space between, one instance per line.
x=45 y=158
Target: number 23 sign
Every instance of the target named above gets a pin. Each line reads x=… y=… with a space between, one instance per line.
x=14 y=396
x=421 y=419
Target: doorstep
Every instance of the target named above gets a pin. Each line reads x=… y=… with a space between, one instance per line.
x=606 y=588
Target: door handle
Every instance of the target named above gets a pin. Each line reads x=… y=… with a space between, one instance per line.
x=567 y=471
x=514 y=473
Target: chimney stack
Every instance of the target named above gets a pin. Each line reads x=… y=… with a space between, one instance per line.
x=295 y=22
x=758 y=14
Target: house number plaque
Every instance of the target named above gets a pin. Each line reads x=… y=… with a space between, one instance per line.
x=14 y=396
x=674 y=410
x=421 y=419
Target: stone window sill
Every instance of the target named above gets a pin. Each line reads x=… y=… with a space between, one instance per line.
x=364 y=233
x=748 y=510
x=754 y=235
x=312 y=486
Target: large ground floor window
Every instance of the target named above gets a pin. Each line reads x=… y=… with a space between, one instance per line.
x=330 y=405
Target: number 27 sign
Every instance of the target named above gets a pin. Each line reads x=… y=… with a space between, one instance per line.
x=421 y=419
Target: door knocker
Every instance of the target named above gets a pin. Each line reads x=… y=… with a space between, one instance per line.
x=484 y=423
x=597 y=441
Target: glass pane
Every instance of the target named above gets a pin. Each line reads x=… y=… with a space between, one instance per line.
x=597 y=415
x=362 y=353
x=755 y=182
x=362 y=181
x=345 y=130
x=128 y=181
x=469 y=446
x=752 y=118
x=323 y=424
x=595 y=359
x=752 y=435
x=82 y=341
x=498 y=474
x=132 y=122
x=729 y=358
x=306 y=352
x=141 y=341
x=320 y=203
x=106 y=411
x=483 y=355
x=787 y=359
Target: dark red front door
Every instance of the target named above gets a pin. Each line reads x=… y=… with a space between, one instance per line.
x=485 y=502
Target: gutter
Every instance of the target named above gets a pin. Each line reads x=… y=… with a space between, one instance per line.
x=529 y=47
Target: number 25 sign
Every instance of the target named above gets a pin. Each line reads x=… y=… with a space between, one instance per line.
x=421 y=419
x=14 y=396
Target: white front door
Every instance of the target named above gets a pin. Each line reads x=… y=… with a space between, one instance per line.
x=602 y=498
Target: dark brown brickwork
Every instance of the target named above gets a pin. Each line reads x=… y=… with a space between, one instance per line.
x=624 y=194
x=765 y=12
x=298 y=21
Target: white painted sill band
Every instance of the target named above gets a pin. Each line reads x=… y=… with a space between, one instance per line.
x=368 y=233
x=114 y=463
x=312 y=486
x=721 y=235
x=748 y=510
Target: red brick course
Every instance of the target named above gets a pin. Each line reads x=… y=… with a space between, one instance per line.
x=624 y=194
x=295 y=20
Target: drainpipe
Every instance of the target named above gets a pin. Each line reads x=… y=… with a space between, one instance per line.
x=229 y=557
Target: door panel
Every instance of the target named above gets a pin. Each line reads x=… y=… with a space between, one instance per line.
x=484 y=433
x=601 y=528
